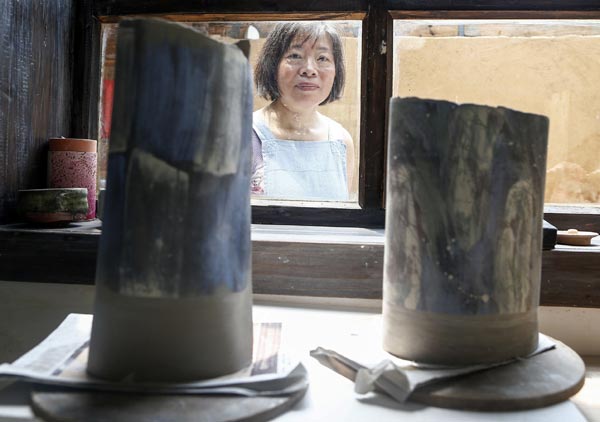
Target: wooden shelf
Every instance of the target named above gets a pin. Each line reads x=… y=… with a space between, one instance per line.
x=287 y=260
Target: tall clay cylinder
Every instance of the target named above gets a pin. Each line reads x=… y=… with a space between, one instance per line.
x=462 y=263
x=173 y=278
x=72 y=163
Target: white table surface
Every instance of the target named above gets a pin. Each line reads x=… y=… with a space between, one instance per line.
x=331 y=397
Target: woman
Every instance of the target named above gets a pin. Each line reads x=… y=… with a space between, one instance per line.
x=298 y=152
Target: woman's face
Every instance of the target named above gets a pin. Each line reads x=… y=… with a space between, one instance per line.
x=306 y=72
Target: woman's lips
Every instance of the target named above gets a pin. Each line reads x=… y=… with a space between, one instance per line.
x=307 y=86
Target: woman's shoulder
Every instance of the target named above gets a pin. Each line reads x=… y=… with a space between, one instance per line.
x=337 y=131
x=259 y=114
x=259 y=125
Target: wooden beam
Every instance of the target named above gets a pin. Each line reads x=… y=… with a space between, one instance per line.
x=582 y=218
x=129 y=7
x=570 y=277
x=376 y=80
x=493 y=5
x=49 y=255
x=86 y=72
x=237 y=17
x=298 y=261
x=495 y=14
x=313 y=216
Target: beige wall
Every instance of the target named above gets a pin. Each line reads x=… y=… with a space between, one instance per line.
x=555 y=76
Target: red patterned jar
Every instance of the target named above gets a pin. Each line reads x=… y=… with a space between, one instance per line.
x=72 y=163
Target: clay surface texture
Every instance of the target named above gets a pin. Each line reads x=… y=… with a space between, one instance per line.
x=72 y=163
x=53 y=205
x=173 y=277
x=463 y=231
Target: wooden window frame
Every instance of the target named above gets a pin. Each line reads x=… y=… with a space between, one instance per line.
x=320 y=264
x=368 y=212
x=583 y=217
x=377 y=19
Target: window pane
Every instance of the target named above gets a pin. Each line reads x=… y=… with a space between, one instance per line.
x=344 y=111
x=547 y=67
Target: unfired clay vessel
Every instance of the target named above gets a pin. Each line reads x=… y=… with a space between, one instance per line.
x=465 y=189
x=173 y=281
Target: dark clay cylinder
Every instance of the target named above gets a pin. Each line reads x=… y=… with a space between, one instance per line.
x=462 y=264
x=173 y=278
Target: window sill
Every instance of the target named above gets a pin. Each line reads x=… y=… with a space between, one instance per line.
x=312 y=261
x=330 y=396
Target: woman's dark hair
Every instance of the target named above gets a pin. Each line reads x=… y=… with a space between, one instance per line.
x=278 y=42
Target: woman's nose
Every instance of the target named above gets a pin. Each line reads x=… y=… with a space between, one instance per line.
x=309 y=67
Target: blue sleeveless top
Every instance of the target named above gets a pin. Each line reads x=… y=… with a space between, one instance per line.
x=301 y=170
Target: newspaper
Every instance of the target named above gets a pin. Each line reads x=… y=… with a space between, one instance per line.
x=397 y=377
x=61 y=359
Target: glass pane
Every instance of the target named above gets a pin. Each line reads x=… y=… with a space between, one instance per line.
x=329 y=159
x=547 y=67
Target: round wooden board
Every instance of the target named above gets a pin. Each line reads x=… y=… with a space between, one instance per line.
x=77 y=406
x=542 y=380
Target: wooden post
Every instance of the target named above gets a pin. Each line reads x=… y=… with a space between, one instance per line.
x=463 y=231
x=174 y=278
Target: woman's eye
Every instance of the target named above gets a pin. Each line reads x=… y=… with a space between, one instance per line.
x=323 y=59
x=294 y=56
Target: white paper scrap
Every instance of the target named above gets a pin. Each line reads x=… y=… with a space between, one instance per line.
x=399 y=378
x=61 y=359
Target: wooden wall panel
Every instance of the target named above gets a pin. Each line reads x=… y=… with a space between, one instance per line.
x=35 y=81
x=569 y=277
x=286 y=260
